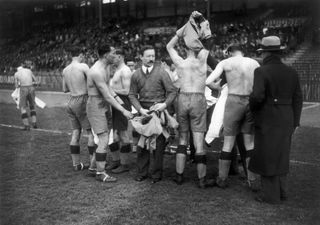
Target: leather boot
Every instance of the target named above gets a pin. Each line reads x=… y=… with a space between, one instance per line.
x=224 y=166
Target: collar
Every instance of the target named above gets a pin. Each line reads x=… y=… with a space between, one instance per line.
x=144 y=69
x=272 y=59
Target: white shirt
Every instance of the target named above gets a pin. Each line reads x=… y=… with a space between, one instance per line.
x=144 y=69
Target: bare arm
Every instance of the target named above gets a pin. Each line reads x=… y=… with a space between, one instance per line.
x=215 y=74
x=172 y=52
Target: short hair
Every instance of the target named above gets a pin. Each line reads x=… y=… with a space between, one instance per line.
x=167 y=60
x=145 y=48
x=119 y=51
x=234 y=47
x=75 y=51
x=104 y=49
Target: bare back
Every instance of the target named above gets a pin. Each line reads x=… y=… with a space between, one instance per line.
x=75 y=78
x=24 y=77
x=97 y=72
x=239 y=73
x=192 y=73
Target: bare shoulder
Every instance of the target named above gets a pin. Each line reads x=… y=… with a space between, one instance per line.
x=203 y=54
x=126 y=71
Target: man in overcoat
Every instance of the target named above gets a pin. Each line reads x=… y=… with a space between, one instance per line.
x=276 y=103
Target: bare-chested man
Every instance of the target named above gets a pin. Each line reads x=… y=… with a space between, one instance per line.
x=120 y=83
x=25 y=79
x=75 y=82
x=192 y=107
x=237 y=116
x=98 y=106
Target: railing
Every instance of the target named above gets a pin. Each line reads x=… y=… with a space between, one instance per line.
x=47 y=81
x=310 y=86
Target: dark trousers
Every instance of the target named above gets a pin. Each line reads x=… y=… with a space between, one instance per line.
x=274 y=188
x=143 y=159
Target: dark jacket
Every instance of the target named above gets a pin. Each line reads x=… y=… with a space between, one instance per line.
x=276 y=103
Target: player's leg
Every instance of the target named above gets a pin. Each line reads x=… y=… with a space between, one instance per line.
x=101 y=155
x=92 y=152
x=23 y=108
x=252 y=177
x=75 y=150
x=125 y=150
x=183 y=120
x=248 y=137
x=32 y=105
x=114 y=152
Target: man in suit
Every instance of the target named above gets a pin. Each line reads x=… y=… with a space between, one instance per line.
x=276 y=103
x=151 y=90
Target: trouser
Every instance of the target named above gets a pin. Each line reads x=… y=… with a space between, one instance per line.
x=143 y=159
x=273 y=188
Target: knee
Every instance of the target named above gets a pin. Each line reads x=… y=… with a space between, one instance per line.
x=200 y=159
x=182 y=149
x=225 y=155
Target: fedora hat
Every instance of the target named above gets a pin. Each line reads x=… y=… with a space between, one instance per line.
x=271 y=43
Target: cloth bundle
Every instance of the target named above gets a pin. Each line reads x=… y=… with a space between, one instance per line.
x=151 y=127
x=217 y=116
x=196 y=29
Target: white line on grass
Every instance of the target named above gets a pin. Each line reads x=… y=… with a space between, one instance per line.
x=311 y=106
x=217 y=152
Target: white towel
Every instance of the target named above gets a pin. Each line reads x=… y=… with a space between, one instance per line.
x=217 y=116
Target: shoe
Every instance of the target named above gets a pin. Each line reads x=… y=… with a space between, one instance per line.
x=26 y=128
x=80 y=167
x=92 y=172
x=140 y=178
x=204 y=182
x=254 y=185
x=155 y=180
x=120 y=169
x=34 y=126
x=221 y=183
x=179 y=179
x=113 y=165
x=104 y=177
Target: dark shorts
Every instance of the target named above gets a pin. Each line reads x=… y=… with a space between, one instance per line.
x=192 y=112
x=77 y=113
x=99 y=114
x=237 y=116
x=27 y=97
x=119 y=121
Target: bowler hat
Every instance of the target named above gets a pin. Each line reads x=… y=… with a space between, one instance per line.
x=270 y=44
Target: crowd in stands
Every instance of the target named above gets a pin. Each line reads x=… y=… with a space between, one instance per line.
x=47 y=48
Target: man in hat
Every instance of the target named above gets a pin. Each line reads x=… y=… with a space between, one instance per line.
x=276 y=103
x=237 y=116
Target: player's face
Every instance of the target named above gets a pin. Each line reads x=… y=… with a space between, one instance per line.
x=111 y=56
x=148 y=57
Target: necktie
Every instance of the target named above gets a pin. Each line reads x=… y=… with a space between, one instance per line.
x=147 y=71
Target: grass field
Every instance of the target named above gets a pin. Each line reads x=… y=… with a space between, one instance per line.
x=38 y=185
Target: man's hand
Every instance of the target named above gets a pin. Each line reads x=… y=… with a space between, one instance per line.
x=127 y=114
x=144 y=112
x=159 y=107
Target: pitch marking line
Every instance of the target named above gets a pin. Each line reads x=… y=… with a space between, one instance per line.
x=217 y=152
x=314 y=105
